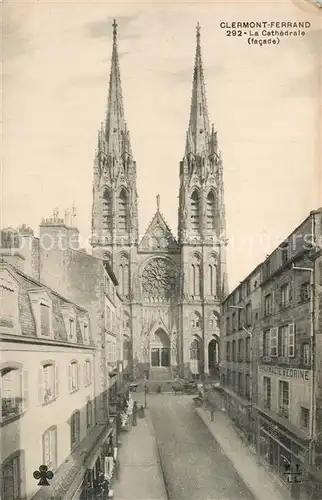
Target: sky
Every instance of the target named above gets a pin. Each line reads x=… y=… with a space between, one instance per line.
x=265 y=102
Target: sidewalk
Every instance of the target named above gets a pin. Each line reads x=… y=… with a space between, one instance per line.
x=140 y=475
x=254 y=475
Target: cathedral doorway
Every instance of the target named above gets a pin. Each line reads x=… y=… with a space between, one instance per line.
x=213 y=357
x=160 y=349
x=195 y=357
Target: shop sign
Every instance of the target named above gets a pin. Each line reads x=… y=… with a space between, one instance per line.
x=291 y=373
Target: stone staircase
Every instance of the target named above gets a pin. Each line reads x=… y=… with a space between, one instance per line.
x=160 y=374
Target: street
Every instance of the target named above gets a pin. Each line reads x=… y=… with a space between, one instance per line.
x=193 y=465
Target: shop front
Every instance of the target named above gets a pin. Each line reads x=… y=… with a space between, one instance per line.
x=284 y=452
x=101 y=471
x=88 y=472
x=240 y=412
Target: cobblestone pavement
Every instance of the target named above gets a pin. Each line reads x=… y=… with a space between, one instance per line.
x=193 y=464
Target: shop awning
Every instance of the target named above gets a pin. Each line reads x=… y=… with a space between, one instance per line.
x=70 y=474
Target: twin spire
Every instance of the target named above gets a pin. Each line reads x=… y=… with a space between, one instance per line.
x=198 y=130
x=116 y=133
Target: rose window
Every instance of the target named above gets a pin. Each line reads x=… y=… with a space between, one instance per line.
x=159 y=279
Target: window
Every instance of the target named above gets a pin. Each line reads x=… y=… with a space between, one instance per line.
x=248 y=387
x=49 y=441
x=284 y=341
x=194 y=350
x=8 y=300
x=195 y=285
x=73 y=376
x=266 y=269
x=234 y=321
x=234 y=379
x=41 y=304
x=124 y=276
x=126 y=350
x=85 y=332
x=87 y=373
x=234 y=350
x=228 y=351
x=267 y=392
x=45 y=319
x=305 y=417
x=284 y=398
x=75 y=428
x=196 y=320
x=291 y=340
x=284 y=255
x=13 y=392
x=227 y=325
x=274 y=342
x=194 y=214
x=11 y=480
x=122 y=212
x=285 y=295
x=107 y=210
x=305 y=290
x=240 y=383
x=49 y=382
x=240 y=349
x=210 y=211
x=89 y=414
x=248 y=314
x=268 y=305
x=72 y=329
x=240 y=319
x=248 y=287
x=266 y=343
x=248 y=349
x=127 y=321
x=306 y=358
x=212 y=279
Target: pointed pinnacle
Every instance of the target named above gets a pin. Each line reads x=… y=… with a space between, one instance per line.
x=114 y=30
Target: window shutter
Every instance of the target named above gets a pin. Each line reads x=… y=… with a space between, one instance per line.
x=261 y=344
x=40 y=385
x=274 y=308
x=291 y=340
x=56 y=381
x=70 y=377
x=273 y=341
x=85 y=371
x=25 y=390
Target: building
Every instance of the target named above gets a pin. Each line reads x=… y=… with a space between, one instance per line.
x=171 y=287
x=64 y=269
x=238 y=346
x=50 y=410
x=286 y=350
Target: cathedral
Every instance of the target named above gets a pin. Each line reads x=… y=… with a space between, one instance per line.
x=171 y=286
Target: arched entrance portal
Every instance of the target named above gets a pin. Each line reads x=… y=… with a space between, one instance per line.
x=160 y=349
x=195 y=357
x=213 y=357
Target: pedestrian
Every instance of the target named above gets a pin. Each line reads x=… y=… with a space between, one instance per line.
x=135 y=411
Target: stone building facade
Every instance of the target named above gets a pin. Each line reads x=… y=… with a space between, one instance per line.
x=51 y=396
x=171 y=286
x=286 y=349
x=239 y=342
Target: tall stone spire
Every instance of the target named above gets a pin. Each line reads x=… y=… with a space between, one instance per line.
x=198 y=131
x=116 y=133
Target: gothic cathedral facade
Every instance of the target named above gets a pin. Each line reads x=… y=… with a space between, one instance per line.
x=171 y=286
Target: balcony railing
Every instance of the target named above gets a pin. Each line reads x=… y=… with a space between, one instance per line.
x=10 y=408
